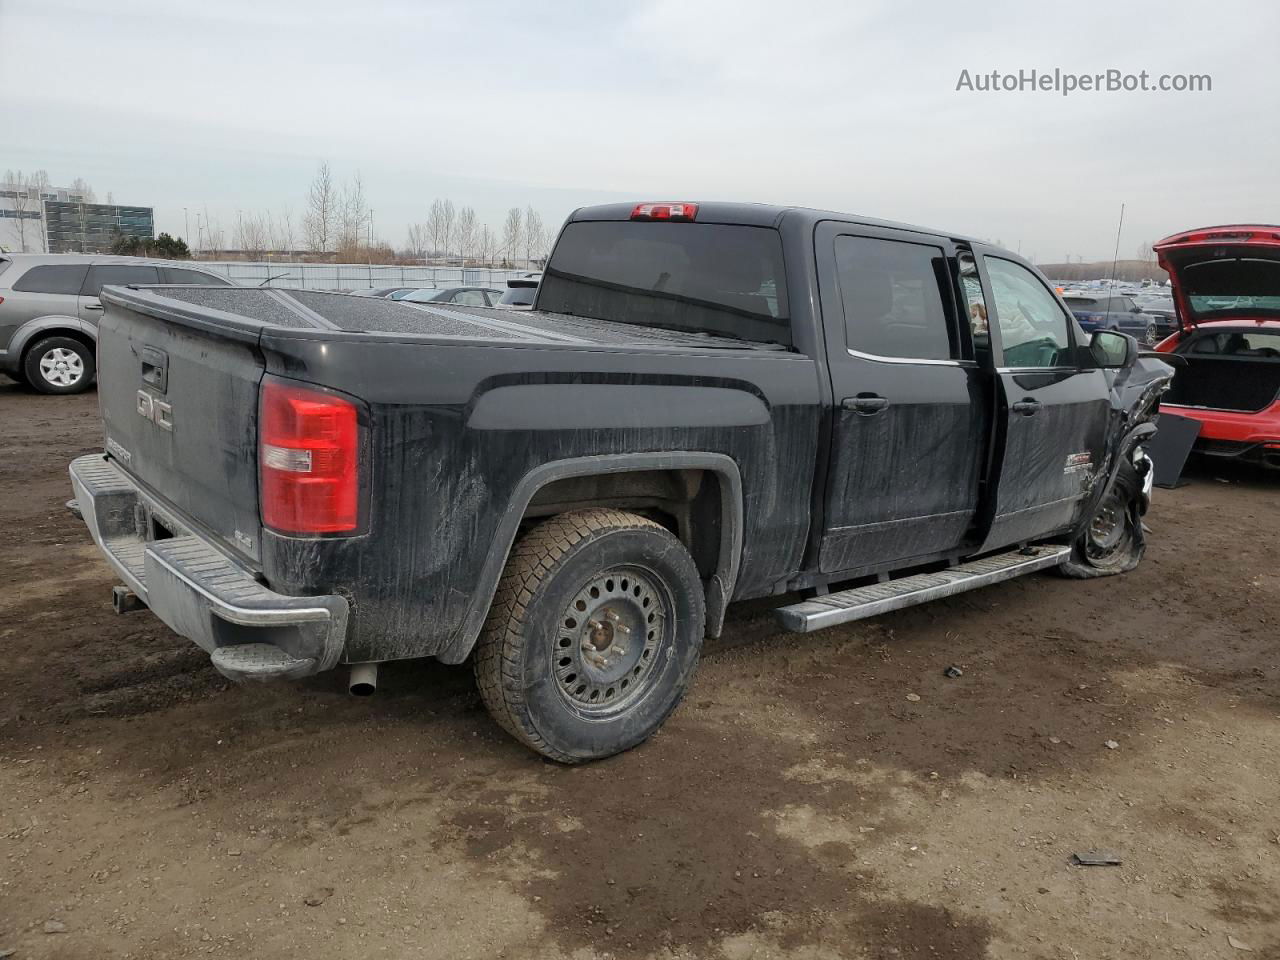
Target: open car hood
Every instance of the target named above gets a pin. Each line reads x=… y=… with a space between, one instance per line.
x=1223 y=273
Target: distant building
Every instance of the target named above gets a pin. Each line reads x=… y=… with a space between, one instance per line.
x=61 y=220
x=72 y=227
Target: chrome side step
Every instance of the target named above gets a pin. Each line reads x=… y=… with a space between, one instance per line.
x=878 y=598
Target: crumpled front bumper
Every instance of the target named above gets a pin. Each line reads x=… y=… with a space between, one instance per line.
x=249 y=631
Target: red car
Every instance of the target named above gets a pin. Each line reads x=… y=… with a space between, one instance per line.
x=1226 y=290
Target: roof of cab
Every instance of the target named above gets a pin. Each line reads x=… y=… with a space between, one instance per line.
x=760 y=215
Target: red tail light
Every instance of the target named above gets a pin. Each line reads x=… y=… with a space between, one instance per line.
x=665 y=211
x=308 y=456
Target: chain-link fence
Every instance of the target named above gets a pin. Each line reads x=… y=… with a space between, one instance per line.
x=355 y=276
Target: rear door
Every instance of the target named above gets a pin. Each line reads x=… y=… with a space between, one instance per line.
x=104 y=274
x=910 y=425
x=1052 y=416
x=44 y=290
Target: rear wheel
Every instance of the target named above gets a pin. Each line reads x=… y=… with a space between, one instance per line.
x=59 y=365
x=1150 y=336
x=593 y=636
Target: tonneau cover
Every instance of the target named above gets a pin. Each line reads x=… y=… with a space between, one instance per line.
x=318 y=310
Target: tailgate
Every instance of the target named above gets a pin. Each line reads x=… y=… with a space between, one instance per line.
x=178 y=389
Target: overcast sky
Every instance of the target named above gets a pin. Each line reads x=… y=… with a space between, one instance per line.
x=848 y=105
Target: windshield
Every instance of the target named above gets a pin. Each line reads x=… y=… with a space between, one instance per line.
x=718 y=279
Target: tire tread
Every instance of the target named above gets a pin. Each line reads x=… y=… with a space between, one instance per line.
x=534 y=560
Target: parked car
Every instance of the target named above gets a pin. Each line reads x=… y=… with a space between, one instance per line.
x=519 y=295
x=1105 y=311
x=463 y=296
x=384 y=293
x=1226 y=281
x=709 y=403
x=1161 y=307
x=49 y=310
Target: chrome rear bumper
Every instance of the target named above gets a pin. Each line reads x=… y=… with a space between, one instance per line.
x=249 y=631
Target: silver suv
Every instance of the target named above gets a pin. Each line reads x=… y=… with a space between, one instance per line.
x=49 y=311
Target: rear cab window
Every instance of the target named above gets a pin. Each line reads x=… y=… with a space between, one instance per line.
x=718 y=279
x=60 y=278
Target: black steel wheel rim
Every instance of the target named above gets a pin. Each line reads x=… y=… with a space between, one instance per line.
x=609 y=638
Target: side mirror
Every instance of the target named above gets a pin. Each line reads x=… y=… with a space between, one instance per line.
x=1113 y=350
x=1136 y=310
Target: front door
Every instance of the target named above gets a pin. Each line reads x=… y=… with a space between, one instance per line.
x=911 y=421
x=1053 y=407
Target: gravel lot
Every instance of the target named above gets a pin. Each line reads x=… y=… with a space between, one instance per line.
x=800 y=804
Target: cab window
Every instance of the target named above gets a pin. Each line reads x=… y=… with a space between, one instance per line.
x=892 y=298
x=1033 y=327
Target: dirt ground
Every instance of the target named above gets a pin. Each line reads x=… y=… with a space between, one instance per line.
x=800 y=804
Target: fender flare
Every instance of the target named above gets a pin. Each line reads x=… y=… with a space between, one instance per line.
x=720 y=587
x=33 y=328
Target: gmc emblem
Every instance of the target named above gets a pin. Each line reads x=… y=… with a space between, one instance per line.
x=155 y=410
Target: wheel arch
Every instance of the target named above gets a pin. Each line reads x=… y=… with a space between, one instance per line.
x=56 y=325
x=719 y=587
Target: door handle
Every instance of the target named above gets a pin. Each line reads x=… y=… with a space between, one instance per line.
x=93 y=306
x=1027 y=407
x=865 y=404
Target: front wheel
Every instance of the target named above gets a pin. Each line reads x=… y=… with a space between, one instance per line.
x=593 y=636
x=1113 y=540
x=59 y=365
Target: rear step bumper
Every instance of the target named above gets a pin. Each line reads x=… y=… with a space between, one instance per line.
x=878 y=598
x=249 y=631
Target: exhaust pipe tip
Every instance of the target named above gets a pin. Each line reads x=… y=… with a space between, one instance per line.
x=364 y=679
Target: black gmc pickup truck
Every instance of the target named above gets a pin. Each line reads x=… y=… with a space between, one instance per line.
x=708 y=403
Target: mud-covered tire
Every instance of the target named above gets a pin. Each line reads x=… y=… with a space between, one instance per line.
x=1118 y=551
x=59 y=365
x=539 y=633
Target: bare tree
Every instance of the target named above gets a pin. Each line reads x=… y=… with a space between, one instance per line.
x=416 y=240
x=322 y=202
x=512 y=233
x=81 y=187
x=532 y=234
x=252 y=235
x=353 y=215
x=280 y=230
x=484 y=244
x=466 y=232
x=435 y=228
x=22 y=201
x=448 y=224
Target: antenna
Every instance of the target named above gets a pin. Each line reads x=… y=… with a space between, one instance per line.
x=1116 y=256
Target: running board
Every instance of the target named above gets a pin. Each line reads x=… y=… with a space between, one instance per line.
x=878 y=598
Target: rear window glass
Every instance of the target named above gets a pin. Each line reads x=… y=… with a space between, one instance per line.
x=120 y=275
x=892 y=300
x=197 y=277
x=519 y=296
x=1249 y=344
x=65 y=278
x=700 y=277
x=1238 y=283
